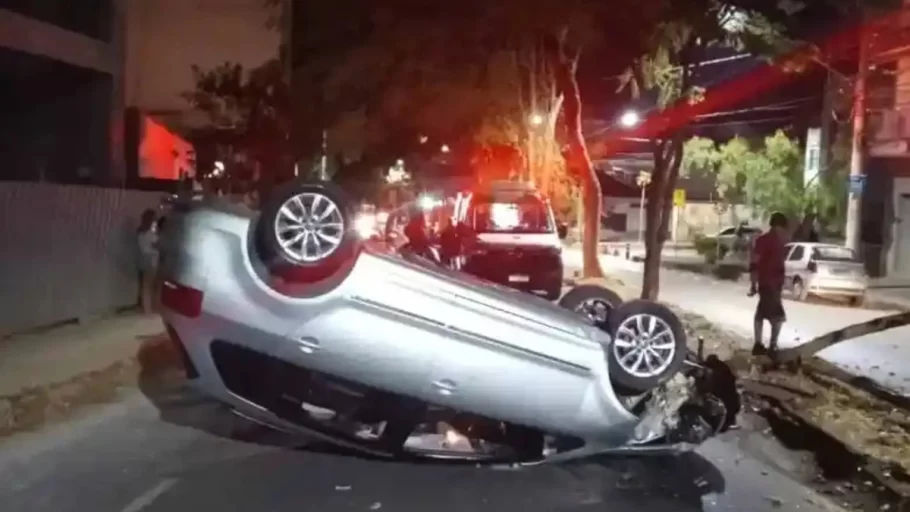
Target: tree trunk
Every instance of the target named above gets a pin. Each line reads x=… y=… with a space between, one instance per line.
x=659 y=210
x=578 y=160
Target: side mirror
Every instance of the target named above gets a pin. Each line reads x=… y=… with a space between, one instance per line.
x=562 y=230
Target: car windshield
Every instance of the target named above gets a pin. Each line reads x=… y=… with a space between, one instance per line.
x=527 y=214
x=833 y=253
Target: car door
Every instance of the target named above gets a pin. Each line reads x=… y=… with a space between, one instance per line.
x=793 y=264
x=725 y=237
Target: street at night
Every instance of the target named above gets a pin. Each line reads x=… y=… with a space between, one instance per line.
x=292 y=255
x=130 y=456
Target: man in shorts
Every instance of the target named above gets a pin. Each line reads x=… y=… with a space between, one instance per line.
x=767 y=280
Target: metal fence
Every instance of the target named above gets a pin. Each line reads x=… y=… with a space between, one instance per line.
x=66 y=252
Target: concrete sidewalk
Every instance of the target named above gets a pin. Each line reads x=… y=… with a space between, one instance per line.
x=54 y=356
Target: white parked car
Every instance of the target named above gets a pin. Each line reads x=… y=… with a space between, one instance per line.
x=825 y=270
x=731 y=236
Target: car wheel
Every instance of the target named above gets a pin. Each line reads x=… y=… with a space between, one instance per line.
x=594 y=302
x=799 y=290
x=648 y=348
x=306 y=231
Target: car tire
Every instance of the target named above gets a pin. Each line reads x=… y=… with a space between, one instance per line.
x=661 y=335
x=859 y=301
x=554 y=292
x=306 y=249
x=594 y=302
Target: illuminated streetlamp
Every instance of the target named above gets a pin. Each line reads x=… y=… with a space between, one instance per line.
x=536 y=120
x=629 y=119
x=444 y=148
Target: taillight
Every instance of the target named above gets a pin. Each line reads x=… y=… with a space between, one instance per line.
x=181 y=299
x=812 y=266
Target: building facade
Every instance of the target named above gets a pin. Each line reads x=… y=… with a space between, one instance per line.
x=61 y=91
x=885 y=207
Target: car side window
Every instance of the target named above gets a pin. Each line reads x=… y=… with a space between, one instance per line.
x=797 y=253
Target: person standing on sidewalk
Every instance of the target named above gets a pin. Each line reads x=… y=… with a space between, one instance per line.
x=766 y=270
x=147 y=239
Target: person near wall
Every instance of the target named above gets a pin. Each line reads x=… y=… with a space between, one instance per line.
x=147 y=240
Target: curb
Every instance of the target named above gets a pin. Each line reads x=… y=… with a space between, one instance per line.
x=38 y=406
x=888 y=480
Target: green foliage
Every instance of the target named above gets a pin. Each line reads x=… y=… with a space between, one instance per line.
x=248 y=112
x=767 y=177
x=707 y=247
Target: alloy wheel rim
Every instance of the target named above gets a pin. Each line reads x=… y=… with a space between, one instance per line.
x=644 y=345
x=309 y=227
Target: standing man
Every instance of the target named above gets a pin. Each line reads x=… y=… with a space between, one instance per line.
x=767 y=279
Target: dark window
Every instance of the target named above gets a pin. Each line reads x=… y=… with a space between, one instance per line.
x=616 y=222
x=92 y=18
x=797 y=254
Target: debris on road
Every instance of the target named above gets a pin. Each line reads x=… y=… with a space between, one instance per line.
x=856 y=436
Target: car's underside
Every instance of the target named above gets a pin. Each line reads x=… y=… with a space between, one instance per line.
x=698 y=403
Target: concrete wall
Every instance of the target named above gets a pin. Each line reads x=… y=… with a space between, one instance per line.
x=694 y=218
x=67 y=252
x=32 y=36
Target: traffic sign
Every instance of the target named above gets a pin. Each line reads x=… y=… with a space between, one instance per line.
x=679 y=197
x=857 y=183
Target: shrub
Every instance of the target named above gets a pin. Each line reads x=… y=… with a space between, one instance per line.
x=707 y=247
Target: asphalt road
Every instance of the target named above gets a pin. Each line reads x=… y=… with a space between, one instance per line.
x=167 y=451
x=882 y=357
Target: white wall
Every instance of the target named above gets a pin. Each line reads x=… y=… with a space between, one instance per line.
x=68 y=252
x=694 y=217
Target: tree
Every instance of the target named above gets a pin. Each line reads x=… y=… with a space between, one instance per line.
x=767 y=177
x=248 y=114
x=397 y=65
x=667 y=73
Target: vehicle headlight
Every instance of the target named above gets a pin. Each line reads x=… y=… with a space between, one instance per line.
x=365 y=225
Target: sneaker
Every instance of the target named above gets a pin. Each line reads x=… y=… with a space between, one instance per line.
x=759 y=350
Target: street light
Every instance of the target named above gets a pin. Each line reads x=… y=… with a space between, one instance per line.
x=444 y=148
x=629 y=119
x=536 y=119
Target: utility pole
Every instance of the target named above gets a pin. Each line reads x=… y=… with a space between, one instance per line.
x=857 y=153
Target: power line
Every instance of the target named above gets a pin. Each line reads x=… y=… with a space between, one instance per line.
x=786 y=105
x=750 y=121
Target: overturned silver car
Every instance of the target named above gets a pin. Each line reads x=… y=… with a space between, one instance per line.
x=294 y=321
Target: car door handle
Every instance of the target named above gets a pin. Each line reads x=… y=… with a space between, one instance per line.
x=445 y=387
x=308 y=345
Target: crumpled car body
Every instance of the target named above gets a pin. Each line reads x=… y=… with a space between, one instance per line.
x=310 y=355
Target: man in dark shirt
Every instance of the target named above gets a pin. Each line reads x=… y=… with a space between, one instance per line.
x=767 y=279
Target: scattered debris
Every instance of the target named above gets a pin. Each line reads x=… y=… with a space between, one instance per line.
x=860 y=439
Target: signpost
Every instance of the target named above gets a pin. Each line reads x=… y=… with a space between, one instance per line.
x=643 y=180
x=679 y=204
x=679 y=198
x=857 y=183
